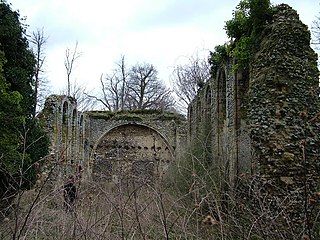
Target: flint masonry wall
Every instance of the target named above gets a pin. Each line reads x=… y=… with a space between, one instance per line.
x=284 y=117
x=136 y=145
x=216 y=120
x=64 y=128
x=109 y=146
x=267 y=123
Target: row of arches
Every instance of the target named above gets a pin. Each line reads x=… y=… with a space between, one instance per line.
x=70 y=123
x=216 y=112
x=88 y=143
x=209 y=105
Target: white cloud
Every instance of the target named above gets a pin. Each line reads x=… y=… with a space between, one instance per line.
x=160 y=32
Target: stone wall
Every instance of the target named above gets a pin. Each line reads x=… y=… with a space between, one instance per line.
x=127 y=140
x=62 y=120
x=284 y=127
x=131 y=151
x=267 y=124
x=215 y=119
x=110 y=146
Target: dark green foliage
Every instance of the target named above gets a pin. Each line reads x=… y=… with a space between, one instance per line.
x=244 y=30
x=22 y=140
x=249 y=20
x=37 y=143
x=218 y=57
x=19 y=68
x=240 y=24
x=10 y=118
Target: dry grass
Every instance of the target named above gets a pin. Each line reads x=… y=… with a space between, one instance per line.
x=141 y=210
x=107 y=211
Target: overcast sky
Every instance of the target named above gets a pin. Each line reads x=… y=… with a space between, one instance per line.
x=160 y=32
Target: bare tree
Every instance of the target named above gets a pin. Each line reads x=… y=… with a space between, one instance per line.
x=69 y=61
x=114 y=88
x=134 y=88
x=38 y=40
x=315 y=29
x=316 y=32
x=78 y=92
x=116 y=85
x=146 y=91
x=188 y=78
x=105 y=98
x=82 y=95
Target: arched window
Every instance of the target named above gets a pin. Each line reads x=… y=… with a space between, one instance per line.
x=221 y=98
x=81 y=120
x=191 y=120
x=208 y=124
x=199 y=108
x=65 y=113
x=65 y=132
x=208 y=106
x=74 y=125
x=80 y=143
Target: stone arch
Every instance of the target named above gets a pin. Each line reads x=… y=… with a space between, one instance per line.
x=191 y=120
x=199 y=107
x=80 y=139
x=221 y=113
x=65 y=124
x=221 y=97
x=199 y=111
x=129 y=152
x=208 y=122
x=74 y=136
x=208 y=104
x=81 y=120
x=65 y=112
x=74 y=125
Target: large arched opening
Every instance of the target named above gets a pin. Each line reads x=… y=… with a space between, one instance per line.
x=131 y=152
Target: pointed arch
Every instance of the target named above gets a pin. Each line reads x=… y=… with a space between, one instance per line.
x=221 y=98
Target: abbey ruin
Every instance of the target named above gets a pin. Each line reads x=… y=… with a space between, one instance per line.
x=265 y=123
x=112 y=146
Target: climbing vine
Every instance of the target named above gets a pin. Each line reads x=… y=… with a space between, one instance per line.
x=244 y=30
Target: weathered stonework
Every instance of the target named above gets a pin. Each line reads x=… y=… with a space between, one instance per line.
x=267 y=124
x=284 y=127
x=216 y=117
x=109 y=146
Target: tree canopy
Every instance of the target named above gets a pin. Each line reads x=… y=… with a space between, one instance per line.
x=134 y=88
x=244 y=31
x=188 y=78
x=22 y=140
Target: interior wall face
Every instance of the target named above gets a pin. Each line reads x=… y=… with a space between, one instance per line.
x=131 y=152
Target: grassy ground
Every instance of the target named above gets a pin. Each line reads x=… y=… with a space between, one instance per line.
x=108 y=211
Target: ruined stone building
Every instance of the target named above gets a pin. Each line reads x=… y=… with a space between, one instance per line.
x=266 y=123
x=106 y=146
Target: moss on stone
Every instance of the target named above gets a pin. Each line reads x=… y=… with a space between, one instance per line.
x=171 y=116
x=288 y=156
x=101 y=114
x=136 y=115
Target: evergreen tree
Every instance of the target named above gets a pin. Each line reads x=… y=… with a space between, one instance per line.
x=22 y=141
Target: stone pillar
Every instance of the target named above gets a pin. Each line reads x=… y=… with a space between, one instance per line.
x=285 y=132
